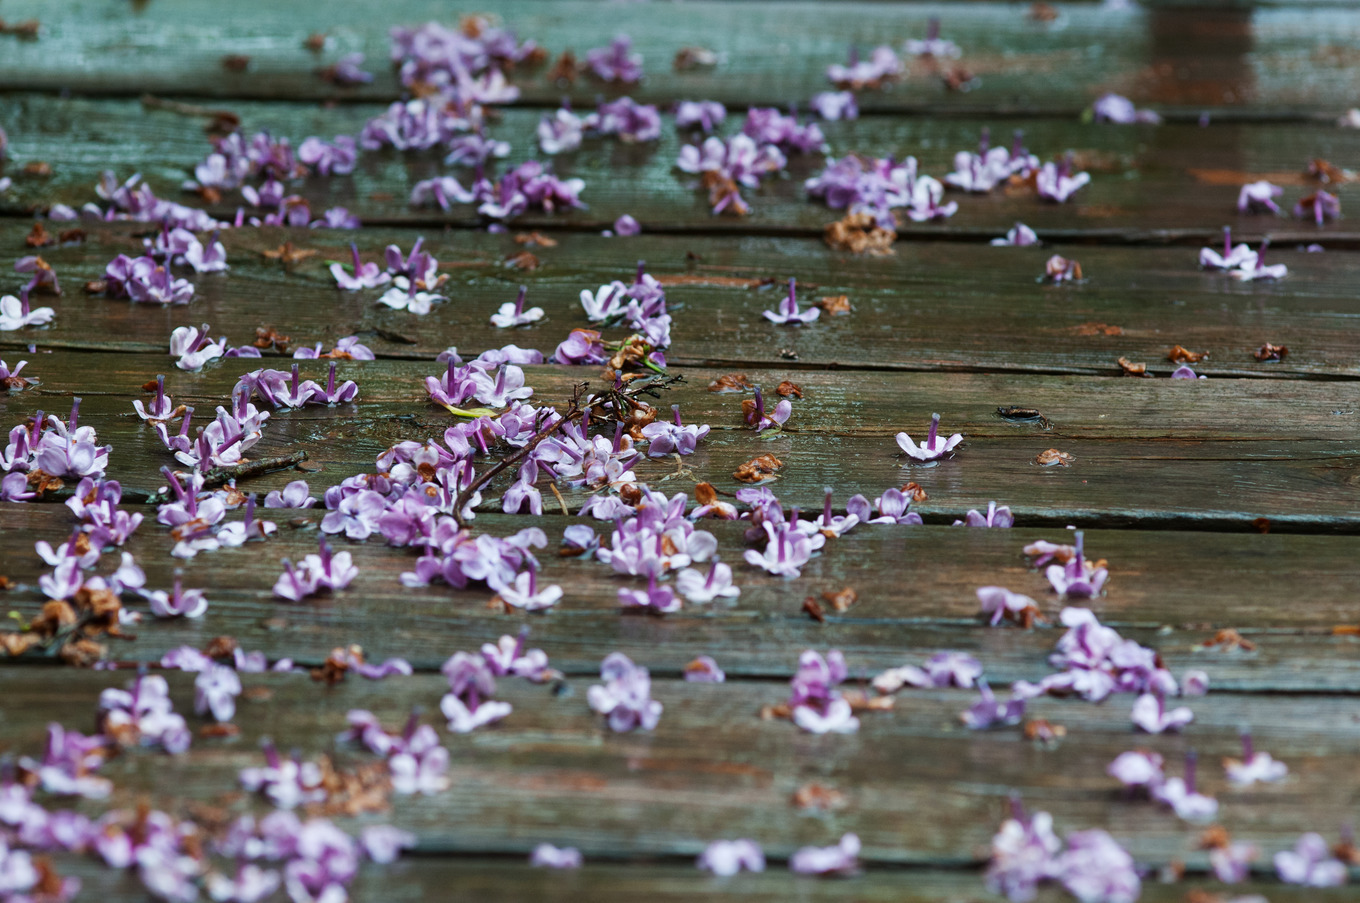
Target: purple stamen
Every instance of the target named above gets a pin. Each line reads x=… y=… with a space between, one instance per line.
x=330 y=380
x=1227 y=240
x=618 y=438
x=675 y=410
x=712 y=572
x=519 y=302
x=295 y=380
x=934 y=431
x=1248 y=750
x=1191 y=757
x=75 y=413
x=201 y=340
x=184 y=424
x=985 y=141
x=354 y=252
x=760 y=404
x=932 y=29
x=23 y=300
x=641 y=266
x=250 y=513
x=160 y=391
x=826 y=509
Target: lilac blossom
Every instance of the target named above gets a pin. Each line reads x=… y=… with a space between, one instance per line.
x=332 y=394
x=989 y=711
x=14 y=488
x=673 y=438
x=1139 y=769
x=1077 y=578
x=698 y=587
x=512 y=313
x=726 y=858
x=507 y=656
x=178 y=603
x=926 y=194
x=366 y=275
x=162 y=408
x=1096 y=869
x=1311 y=864
x=545 y=855
x=417 y=124
x=943 y=669
x=632 y=122
x=443 y=191
x=528 y=186
x=1231 y=863
x=654 y=599
x=1150 y=714
x=625 y=227
x=1254 y=268
x=194 y=347
x=788 y=313
x=840 y=859
x=1121 y=111
x=934 y=447
x=1184 y=371
x=995 y=517
x=347 y=348
x=287 y=783
x=786 y=550
x=475 y=150
x=615 y=63
x=1023 y=855
x=1057 y=183
x=247 y=529
x=1231 y=258
x=68 y=449
x=704 y=670
x=215 y=692
x=524 y=592
x=828 y=525
x=766 y=125
x=625 y=696
x=69 y=758
x=1254 y=766
x=467 y=704
x=1256 y=197
x=404 y=295
x=1318 y=206
x=835 y=105
x=383 y=843
x=145 y=710
x=815 y=704
x=892 y=507
x=1180 y=794
x=983 y=171
x=758 y=420
x=1020 y=236
x=561 y=132
x=933 y=45
x=12 y=379
x=1000 y=603
x=704 y=115
x=44 y=279
x=883 y=65
x=15 y=313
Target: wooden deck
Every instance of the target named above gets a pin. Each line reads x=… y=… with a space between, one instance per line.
x=1225 y=504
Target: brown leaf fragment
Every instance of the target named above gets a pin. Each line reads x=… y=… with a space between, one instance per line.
x=859 y=702
x=5 y=582
x=41 y=481
x=16 y=644
x=530 y=239
x=758 y=468
x=843 y=600
x=860 y=233
x=1132 y=368
x=1042 y=12
x=1262 y=524
x=524 y=260
x=219 y=731
x=39 y=237
x=724 y=194
x=1325 y=172
x=564 y=69
x=1054 y=458
x=1096 y=329
x=288 y=254
x=1179 y=354
x=787 y=389
x=26 y=30
x=914 y=492
x=771 y=712
x=82 y=653
x=236 y=62
x=691 y=57
x=819 y=796
x=269 y=337
x=96 y=287
x=1228 y=639
x=730 y=382
x=814 y=610
x=221 y=647
x=38 y=169
x=71 y=236
x=316 y=42
x=1041 y=730
x=834 y=305
x=1271 y=352
x=957 y=78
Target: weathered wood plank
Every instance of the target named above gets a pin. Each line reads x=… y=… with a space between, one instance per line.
x=1162 y=183
x=916 y=586
x=933 y=306
x=1266 y=60
x=552 y=772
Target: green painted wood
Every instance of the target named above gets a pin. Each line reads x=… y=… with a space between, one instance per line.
x=933 y=306
x=921 y=788
x=1149 y=184
x=916 y=587
x=1267 y=60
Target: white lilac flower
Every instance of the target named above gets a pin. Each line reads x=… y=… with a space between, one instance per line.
x=1150 y=714
x=403 y=295
x=725 y=858
x=698 y=587
x=180 y=603
x=545 y=855
x=15 y=313
x=194 y=347
x=1253 y=269
x=524 y=592
x=560 y=133
x=788 y=313
x=1259 y=196
x=840 y=859
x=934 y=447
x=512 y=313
x=1181 y=796
x=999 y=602
x=1232 y=256
x=926 y=194
x=1311 y=863
x=1254 y=766
x=625 y=697
x=1121 y=111
x=1020 y=236
x=1056 y=182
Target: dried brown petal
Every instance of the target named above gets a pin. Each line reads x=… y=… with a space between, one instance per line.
x=524 y=260
x=1054 y=458
x=96 y=287
x=705 y=494
x=914 y=492
x=1262 y=524
x=860 y=233
x=1096 y=329
x=16 y=644
x=1325 y=172
x=724 y=194
x=758 y=468
x=687 y=58
x=1133 y=369
x=834 y=305
x=843 y=600
x=316 y=42
x=814 y=609
x=770 y=712
x=224 y=729
x=41 y=481
x=221 y=647
x=39 y=237
x=565 y=69
x=288 y=254
x=236 y=62
x=270 y=337
x=535 y=238
x=730 y=382
x=787 y=388
x=82 y=653
x=38 y=169
x=1044 y=731
x=1042 y=12
x=1227 y=639
x=1179 y=354
x=1270 y=352
x=957 y=78
x=819 y=796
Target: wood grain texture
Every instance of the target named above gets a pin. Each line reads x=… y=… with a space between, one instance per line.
x=922 y=789
x=933 y=306
x=1149 y=183
x=1263 y=60
x=916 y=587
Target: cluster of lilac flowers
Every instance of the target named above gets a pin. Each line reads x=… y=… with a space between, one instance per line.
x=1142 y=771
x=326 y=571
x=878 y=187
x=815 y=704
x=61 y=448
x=641 y=307
x=991 y=166
x=625 y=697
x=529 y=186
x=1026 y=853
x=738 y=161
x=282 y=390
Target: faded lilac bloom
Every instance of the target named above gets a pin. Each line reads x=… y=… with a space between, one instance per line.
x=995 y=517
x=698 y=587
x=383 y=843
x=145 y=709
x=829 y=525
x=1231 y=258
x=841 y=859
x=1000 y=603
x=251 y=884
x=625 y=697
x=1077 y=578
x=1150 y=714
x=788 y=313
x=1311 y=864
x=673 y=438
x=512 y=313
x=943 y=669
x=1021 y=236
x=1181 y=796
x=882 y=66
x=15 y=313
x=1057 y=183
x=655 y=599
x=835 y=105
x=287 y=783
x=704 y=670
x=179 y=603
x=443 y=191
x=1255 y=268
x=467 y=705
x=756 y=417
x=215 y=692
x=705 y=115
x=989 y=711
x=545 y=855
x=934 y=447
x=338 y=158
x=766 y=125
x=1121 y=111
x=1184 y=371
x=475 y=150
x=1023 y=854
x=526 y=594
x=725 y=858
x=933 y=45
x=786 y=549
x=892 y=506
x=1139 y=768
x=1231 y=864
x=1256 y=197
x=1318 y=206
x=926 y=194
x=625 y=226
x=815 y=705
x=1194 y=683
x=1254 y=766
x=633 y=122
x=1095 y=869
x=295 y=495
x=615 y=63
x=561 y=132
x=366 y=275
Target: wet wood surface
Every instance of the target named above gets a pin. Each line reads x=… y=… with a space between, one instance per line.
x=1225 y=504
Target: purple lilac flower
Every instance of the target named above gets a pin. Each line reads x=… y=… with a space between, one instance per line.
x=1137 y=769
x=883 y=65
x=673 y=438
x=1056 y=181
x=1096 y=869
x=1256 y=197
x=1000 y=603
x=626 y=227
x=15 y=313
x=1150 y=714
x=725 y=858
x=509 y=657
x=475 y=150
x=625 y=696
x=989 y=711
x=512 y=313
x=1231 y=864
x=995 y=517
x=1231 y=258
x=1021 y=236
x=892 y=507
x=654 y=599
x=145 y=710
x=632 y=122
x=615 y=63
x=295 y=495
x=1121 y=111
x=215 y=692
x=698 y=587
x=1185 y=371
x=525 y=593
x=1311 y=864
x=788 y=313
x=943 y=669
x=933 y=45
x=179 y=603
x=545 y=855
x=1254 y=766
x=840 y=859
x=1077 y=578
x=814 y=703
x=1318 y=206
x=704 y=670
x=1180 y=794
x=766 y=125
x=786 y=550
x=1255 y=268
x=704 y=115
x=366 y=275
x=934 y=447
x=561 y=132
x=1023 y=855
x=835 y=105
x=68 y=760
x=467 y=704
x=756 y=417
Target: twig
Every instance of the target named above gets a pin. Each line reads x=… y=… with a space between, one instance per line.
x=247 y=469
